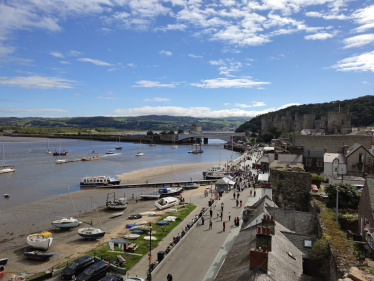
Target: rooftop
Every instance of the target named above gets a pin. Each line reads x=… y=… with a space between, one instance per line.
x=291 y=167
x=330 y=157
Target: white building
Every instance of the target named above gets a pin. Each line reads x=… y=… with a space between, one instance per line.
x=334 y=164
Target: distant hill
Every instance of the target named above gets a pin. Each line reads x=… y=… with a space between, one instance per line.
x=361 y=109
x=143 y=123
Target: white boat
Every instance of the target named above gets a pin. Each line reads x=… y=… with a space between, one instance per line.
x=174 y=146
x=144 y=227
x=91 y=232
x=120 y=203
x=170 y=218
x=48 y=151
x=140 y=153
x=131 y=236
x=40 y=240
x=60 y=161
x=150 y=238
x=6 y=169
x=151 y=213
x=170 y=191
x=66 y=223
x=171 y=211
x=118 y=145
x=115 y=215
x=141 y=222
x=110 y=152
x=166 y=202
x=192 y=185
x=154 y=195
x=100 y=180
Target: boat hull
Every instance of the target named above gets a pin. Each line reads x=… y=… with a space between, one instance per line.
x=165 y=203
x=42 y=245
x=92 y=236
x=66 y=225
x=149 y=196
x=3 y=261
x=6 y=170
x=116 y=207
x=38 y=256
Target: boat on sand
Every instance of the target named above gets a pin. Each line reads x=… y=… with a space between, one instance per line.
x=166 y=202
x=40 y=240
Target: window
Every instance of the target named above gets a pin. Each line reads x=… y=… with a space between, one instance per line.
x=336 y=170
x=319 y=162
x=308 y=162
x=308 y=152
x=360 y=157
x=308 y=243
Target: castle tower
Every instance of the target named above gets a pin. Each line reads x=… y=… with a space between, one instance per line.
x=308 y=121
x=266 y=123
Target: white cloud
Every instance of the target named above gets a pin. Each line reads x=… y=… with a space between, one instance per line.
x=157 y=100
x=97 y=62
x=37 y=81
x=177 y=26
x=64 y=62
x=366 y=83
x=131 y=64
x=363 y=62
x=319 y=36
x=233 y=66
x=228 y=50
x=77 y=94
x=228 y=83
x=152 y=84
x=227 y=104
x=327 y=16
x=114 y=69
x=74 y=53
x=106 y=98
x=5 y=50
x=287 y=105
x=364 y=17
x=217 y=62
x=193 y=56
x=194 y=111
x=254 y=104
x=358 y=41
x=57 y=54
x=167 y=53
x=55 y=110
x=258 y=103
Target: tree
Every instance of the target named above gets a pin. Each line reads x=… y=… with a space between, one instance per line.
x=149 y=133
x=278 y=133
x=347 y=194
x=180 y=131
x=273 y=130
x=268 y=137
x=259 y=140
x=316 y=179
x=171 y=132
x=253 y=135
x=163 y=133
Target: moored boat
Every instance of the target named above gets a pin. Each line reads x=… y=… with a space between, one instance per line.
x=120 y=203
x=131 y=236
x=3 y=261
x=115 y=215
x=90 y=158
x=6 y=169
x=150 y=213
x=192 y=185
x=166 y=202
x=100 y=180
x=40 y=240
x=66 y=223
x=154 y=195
x=91 y=233
x=37 y=255
x=110 y=152
x=170 y=191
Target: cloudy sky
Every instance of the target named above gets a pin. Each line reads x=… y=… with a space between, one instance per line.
x=213 y=58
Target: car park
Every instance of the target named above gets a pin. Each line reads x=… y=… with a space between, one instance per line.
x=94 y=272
x=76 y=267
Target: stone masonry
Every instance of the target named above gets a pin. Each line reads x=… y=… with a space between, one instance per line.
x=334 y=122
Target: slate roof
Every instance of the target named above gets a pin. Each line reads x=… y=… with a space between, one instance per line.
x=258 y=208
x=353 y=148
x=330 y=157
x=299 y=222
x=290 y=158
x=298 y=241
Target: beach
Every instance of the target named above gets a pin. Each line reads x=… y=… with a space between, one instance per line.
x=17 y=223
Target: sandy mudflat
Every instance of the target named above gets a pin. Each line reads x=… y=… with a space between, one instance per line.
x=152 y=174
x=19 y=139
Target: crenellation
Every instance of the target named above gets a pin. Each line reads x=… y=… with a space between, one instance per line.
x=334 y=122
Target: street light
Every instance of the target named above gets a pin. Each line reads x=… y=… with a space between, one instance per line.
x=149 y=277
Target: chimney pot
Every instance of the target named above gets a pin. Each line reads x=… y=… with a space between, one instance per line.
x=280 y=192
x=265 y=248
x=258 y=229
x=264 y=217
x=268 y=218
x=272 y=218
x=269 y=233
x=325 y=149
x=263 y=230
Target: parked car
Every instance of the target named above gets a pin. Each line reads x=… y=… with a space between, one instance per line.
x=76 y=267
x=94 y=272
x=112 y=278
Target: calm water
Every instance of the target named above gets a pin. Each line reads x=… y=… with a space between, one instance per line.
x=38 y=177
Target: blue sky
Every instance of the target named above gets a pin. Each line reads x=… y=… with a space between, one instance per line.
x=184 y=58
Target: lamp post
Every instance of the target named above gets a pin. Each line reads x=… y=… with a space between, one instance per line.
x=149 y=277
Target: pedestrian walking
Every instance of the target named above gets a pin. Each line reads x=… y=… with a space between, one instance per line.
x=202 y=220
x=221 y=215
x=250 y=193
x=237 y=221
x=238 y=195
x=229 y=216
x=136 y=199
x=222 y=205
x=237 y=202
x=169 y=277
x=241 y=203
x=224 y=225
x=254 y=193
x=211 y=213
x=210 y=224
x=234 y=195
x=217 y=214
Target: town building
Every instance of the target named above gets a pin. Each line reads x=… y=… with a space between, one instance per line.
x=313 y=132
x=334 y=164
x=365 y=213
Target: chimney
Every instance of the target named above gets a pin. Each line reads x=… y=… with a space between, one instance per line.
x=269 y=223
x=343 y=149
x=325 y=149
x=265 y=232
x=258 y=258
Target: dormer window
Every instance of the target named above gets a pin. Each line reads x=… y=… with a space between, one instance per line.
x=308 y=243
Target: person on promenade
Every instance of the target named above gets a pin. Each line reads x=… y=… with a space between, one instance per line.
x=169 y=277
x=237 y=202
x=250 y=193
x=241 y=203
x=222 y=205
x=221 y=215
x=229 y=216
x=217 y=214
x=224 y=225
x=238 y=195
x=234 y=195
x=202 y=220
x=254 y=193
x=211 y=212
x=136 y=199
x=210 y=224
x=237 y=221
